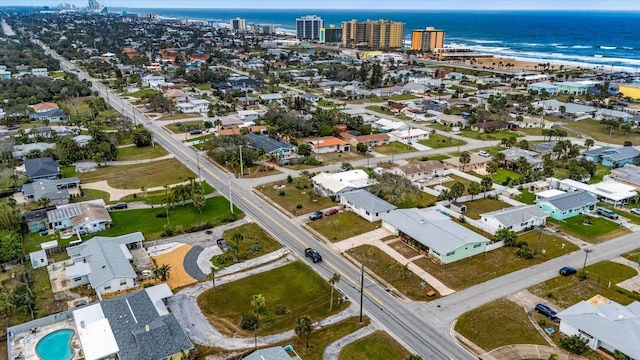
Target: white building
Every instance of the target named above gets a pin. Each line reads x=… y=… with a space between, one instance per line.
x=410 y=135
x=386 y=125
x=308 y=27
x=517 y=218
x=365 y=204
x=193 y=105
x=40 y=72
x=248 y=115
x=153 y=80
x=336 y=184
x=609 y=192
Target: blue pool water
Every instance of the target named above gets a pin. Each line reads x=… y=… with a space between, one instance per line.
x=56 y=346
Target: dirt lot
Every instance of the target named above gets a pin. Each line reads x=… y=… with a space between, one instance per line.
x=178 y=276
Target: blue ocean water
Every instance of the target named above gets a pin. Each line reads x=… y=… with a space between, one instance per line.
x=606 y=39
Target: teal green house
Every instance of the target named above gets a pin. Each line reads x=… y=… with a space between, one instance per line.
x=567 y=205
x=435 y=234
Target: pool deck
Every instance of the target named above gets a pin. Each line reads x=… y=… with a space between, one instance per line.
x=24 y=343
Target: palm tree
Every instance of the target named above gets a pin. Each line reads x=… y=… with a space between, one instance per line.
x=197 y=197
x=258 y=302
x=304 y=328
x=213 y=276
x=180 y=193
x=334 y=280
x=474 y=189
x=589 y=143
x=464 y=159
x=457 y=189
x=501 y=158
x=43 y=202
x=486 y=184
x=163 y=272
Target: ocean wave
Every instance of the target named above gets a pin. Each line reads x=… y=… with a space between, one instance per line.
x=532 y=44
x=627 y=47
x=582 y=47
x=608 y=47
x=562 y=47
x=477 y=41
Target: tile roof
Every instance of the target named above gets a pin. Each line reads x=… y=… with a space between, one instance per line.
x=327 y=141
x=421 y=166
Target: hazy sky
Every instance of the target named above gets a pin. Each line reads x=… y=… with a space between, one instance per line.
x=612 y=5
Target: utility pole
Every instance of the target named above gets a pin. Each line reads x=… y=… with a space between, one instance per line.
x=538 y=241
x=241 y=164
x=361 y=291
x=230 y=194
x=198 y=164
x=586 y=253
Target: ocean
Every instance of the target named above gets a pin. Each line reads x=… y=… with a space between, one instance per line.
x=607 y=39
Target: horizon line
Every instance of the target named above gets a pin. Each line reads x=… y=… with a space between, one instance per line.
x=343 y=9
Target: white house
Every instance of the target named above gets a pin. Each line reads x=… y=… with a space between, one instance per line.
x=152 y=80
x=270 y=98
x=40 y=72
x=104 y=262
x=328 y=144
x=193 y=105
x=365 y=204
x=517 y=218
x=385 y=125
x=84 y=218
x=339 y=183
x=248 y=115
x=409 y=135
x=604 y=324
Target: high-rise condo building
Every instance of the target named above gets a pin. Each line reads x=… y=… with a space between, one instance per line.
x=331 y=35
x=379 y=34
x=238 y=24
x=427 y=39
x=268 y=29
x=308 y=27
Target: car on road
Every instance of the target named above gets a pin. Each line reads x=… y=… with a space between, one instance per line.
x=546 y=311
x=118 y=206
x=223 y=245
x=331 y=212
x=607 y=213
x=316 y=215
x=567 y=270
x=13 y=127
x=484 y=153
x=635 y=211
x=313 y=254
x=195 y=132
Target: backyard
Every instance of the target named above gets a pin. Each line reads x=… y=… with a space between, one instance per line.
x=437 y=141
x=483 y=205
x=226 y=306
x=252 y=243
x=377 y=346
x=147 y=175
x=599 y=230
x=300 y=191
x=343 y=225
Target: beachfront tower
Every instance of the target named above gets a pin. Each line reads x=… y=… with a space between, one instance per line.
x=308 y=27
x=427 y=39
x=374 y=35
x=238 y=24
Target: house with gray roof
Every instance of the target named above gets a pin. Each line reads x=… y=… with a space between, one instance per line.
x=628 y=174
x=271 y=98
x=604 y=324
x=42 y=168
x=272 y=353
x=365 y=204
x=276 y=148
x=21 y=151
x=435 y=233
x=53 y=115
x=84 y=218
x=517 y=218
x=613 y=156
x=569 y=204
x=57 y=191
x=104 y=262
x=533 y=158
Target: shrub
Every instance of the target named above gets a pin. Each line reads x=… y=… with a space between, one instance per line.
x=161 y=215
x=230 y=217
x=298 y=206
x=282 y=310
x=199 y=227
x=289 y=179
x=574 y=344
x=249 y=322
x=281 y=193
x=168 y=231
x=254 y=248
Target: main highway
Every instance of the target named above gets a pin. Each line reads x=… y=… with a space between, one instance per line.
x=426 y=328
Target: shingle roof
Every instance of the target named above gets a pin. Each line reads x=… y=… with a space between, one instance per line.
x=516 y=215
x=269 y=144
x=367 y=201
x=421 y=166
x=629 y=173
x=274 y=353
x=613 y=153
x=41 y=167
x=571 y=200
x=48 y=188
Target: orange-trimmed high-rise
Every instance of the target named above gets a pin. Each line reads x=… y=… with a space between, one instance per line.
x=427 y=39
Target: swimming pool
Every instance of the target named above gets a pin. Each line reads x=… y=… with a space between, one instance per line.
x=56 y=346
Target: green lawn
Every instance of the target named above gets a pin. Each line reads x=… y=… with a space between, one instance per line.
x=497 y=324
x=140 y=153
x=594 y=129
x=68 y=171
x=91 y=194
x=294 y=286
x=343 y=226
x=142 y=92
x=601 y=171
x=404 y=97
x=255 y=242
x=480 y=268
x=600 y=230
x=566 y=291
x=157 y=197
x=392 y=272
x=377 y=346
x=185 y=126
x=150 y=174
x=502 y=175
x=483 y=205
x=527 y=197
x=437 y=141
x=424 y=201
x=379 y=109
x=327 y=103
x=505 y=134
x=394 y=147
x=300 y=191
x=179 y=116
x=32 y=241
x=152 y=226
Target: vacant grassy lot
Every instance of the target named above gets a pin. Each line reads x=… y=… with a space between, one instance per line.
x=497 y=324
x=179 y=116
x=480 y=268
x=136 y=176
x=141 y=92
x=505 y=134
x=90 y=194
x=296 y=193
x=340 y=157
x=294 y=286
x=600 y=229
x=437 y=141
x=404 y=97
x=566 y=291
x=185 y=126
x=394 y=147
x=157 y=197
x=254 y=242
x=392 y=272
x=343 y=226
x=456 y=178
x=152 y=221
x=483 y=205
x=379 y=109
x=377 y=346
x=140 y=153
x=502 y=175
x=425 y=200
x=594 y=129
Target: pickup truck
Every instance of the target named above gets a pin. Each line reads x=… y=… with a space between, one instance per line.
x=313 y=254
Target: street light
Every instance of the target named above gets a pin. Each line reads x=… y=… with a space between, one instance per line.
x=230 y=194
x=586 y=253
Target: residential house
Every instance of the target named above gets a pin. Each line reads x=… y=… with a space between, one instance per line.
x=84 y=218
x=539 y=87
x=477 y=163
x=246 y=101
x=328 y=144
x=272 y=98
x=259 y=129
x=554 y=107
x=248 y=115
x=492 y=126
x=628 y=174
x=435 y=233
x=44 y=107
x=104 y=262
x=566 y=205
x=512 y=155
x=193 y=105
x=153 y=80
x=609 y=192
x=451 y=120
x=279 y=149
x=385 y=125
x=229 y=122
x=365 y=204
x=544 y=148
x=623 y=116
x=57 y=191
x=613 y=157
x=82 y=140
x=605 y=325
x=313 y=98
x=21 y=151
x=5 y=75
x=409 y=135
x=53 y=115
x=370 y=140
x=273 y=353
x=40 y=72
x=421 y=170
x=575 y=87
x=42 y=168
x=339 y=183
x=516 y=218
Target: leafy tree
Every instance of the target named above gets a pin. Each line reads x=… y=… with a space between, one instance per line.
x=346 y=166
x=142 y=137
x=304 y=149
x=10 y=246
x=304 y=328
x=589 y=143
x=464 y=159
x=23 y=297
x=506 y=235
x=395 y=189
x=334 y=280
x=474 y=189
x=362 y=148
x=574 y=344
x=10 y=217
x=628 y=143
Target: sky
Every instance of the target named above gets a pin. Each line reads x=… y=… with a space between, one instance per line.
x=610 y=5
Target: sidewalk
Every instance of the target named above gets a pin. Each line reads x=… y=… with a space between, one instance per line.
x=117 y=194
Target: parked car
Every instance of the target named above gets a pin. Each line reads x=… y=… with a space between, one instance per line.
x=484 y=153
x=313 y=254
x=195 y=132
x=316 y=215
x=567 y=270
x=331 y=212
x=635 y=211
x=607 y=213
x=546 y=311
x=13 y=127
x=223 y=245
x=118 y=206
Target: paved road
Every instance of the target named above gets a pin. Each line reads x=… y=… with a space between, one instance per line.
x=423 y=327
